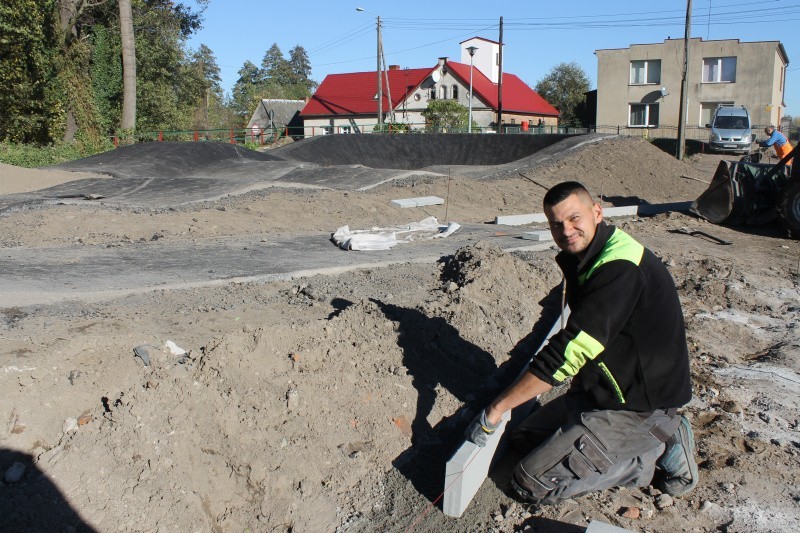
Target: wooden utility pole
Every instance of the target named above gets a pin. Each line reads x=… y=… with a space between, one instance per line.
x=500 y=83
x=684 y=84
x=380 y=78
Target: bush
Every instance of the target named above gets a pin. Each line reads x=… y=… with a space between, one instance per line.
x=32 y=156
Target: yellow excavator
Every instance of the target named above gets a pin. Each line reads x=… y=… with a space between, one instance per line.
x=749 y=192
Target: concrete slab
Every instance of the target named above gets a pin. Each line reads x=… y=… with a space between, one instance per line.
x=418 y=202
x=521 y=220
x=539 y=235
x=608 y=212
x=601 y=527
x=465 y=472
x=467 y=469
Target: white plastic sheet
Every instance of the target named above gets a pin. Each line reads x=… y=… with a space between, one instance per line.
x=386 y=238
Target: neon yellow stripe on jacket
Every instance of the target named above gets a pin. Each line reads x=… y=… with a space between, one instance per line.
x=579 y=349
x=619 y=246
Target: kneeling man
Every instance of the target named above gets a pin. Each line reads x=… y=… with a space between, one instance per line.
x=624 y=346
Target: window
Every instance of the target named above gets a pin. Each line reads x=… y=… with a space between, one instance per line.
x=707 y=110
x=455 y=92
x=719 y=70
x=643 y=115
x=443 y=92
x=645 y=71
x=433 y=93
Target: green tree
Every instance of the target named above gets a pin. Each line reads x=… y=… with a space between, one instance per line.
x=275 y=67
x=443 y=115
x=202 y=91
x=106 y=75
x=564 y=87
x=29 y=99
x=300 y=67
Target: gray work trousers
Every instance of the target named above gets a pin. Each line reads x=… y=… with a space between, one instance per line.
x=572 y=450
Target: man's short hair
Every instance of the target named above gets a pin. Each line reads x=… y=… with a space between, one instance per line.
x=769 y=129
x=562 y=191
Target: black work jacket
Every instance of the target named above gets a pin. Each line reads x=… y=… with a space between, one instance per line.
x=625 y=341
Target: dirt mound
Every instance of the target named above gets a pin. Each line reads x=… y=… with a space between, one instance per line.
x=297 y=425
x=623 y=171
x=166 y=159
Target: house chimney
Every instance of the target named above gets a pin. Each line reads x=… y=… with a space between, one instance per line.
x=394 y=67
x=442 y=61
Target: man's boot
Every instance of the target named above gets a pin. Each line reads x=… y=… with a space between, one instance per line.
x=678 y=474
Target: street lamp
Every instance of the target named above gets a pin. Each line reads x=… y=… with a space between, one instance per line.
x=471 y=51
x=378 y=68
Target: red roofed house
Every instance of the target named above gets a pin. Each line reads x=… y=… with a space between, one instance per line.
x=348 y=103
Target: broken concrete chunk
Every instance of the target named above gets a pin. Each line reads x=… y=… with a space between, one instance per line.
x=174 y=349
x=143 y=352
x=70 y=424
x=292 y=399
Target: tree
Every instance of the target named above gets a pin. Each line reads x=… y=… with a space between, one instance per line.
x=564 y=87
x=128 y=120
x=276 y=69
x=442 y=115
x=300 y=67
x=29 y=100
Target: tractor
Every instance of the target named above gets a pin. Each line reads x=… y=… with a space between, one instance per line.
x=748 y=192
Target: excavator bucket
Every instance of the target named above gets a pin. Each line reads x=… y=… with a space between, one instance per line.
x=717 y=203
x=742 y=192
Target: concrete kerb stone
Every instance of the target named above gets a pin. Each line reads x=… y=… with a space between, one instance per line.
x=467 y=469
x=596 y=526
x=419 y=201
x=624 y=211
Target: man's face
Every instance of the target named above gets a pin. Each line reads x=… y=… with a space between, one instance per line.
x=573 y=223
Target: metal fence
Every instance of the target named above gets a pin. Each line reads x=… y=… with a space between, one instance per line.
x=694 y=134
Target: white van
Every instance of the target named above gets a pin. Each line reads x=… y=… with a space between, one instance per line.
x=730 y=130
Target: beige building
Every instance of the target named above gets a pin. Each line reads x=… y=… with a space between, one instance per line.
x=639 y=86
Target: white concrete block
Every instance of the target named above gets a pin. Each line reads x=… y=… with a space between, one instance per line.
x=602 y=527
x=468 y=467
x=625 y=211
x=539 y=235
x=520 y=220
x=466 y=471
x=419 y=201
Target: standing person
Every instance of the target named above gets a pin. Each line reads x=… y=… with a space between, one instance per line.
x=778 y=141
x=624 y=346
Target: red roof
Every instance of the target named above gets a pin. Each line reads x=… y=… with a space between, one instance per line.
x=517 y=96
x=355 y=93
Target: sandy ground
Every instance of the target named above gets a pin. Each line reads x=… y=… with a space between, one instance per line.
x=16 y=179
x=331 y=403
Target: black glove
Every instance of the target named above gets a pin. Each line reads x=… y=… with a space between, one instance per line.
x=480 y=428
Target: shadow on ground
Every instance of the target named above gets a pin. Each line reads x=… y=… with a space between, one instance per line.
x=33 y=503
x=436 y=355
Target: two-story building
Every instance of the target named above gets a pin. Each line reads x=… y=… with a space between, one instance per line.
x=348 y=103
x=640 y=86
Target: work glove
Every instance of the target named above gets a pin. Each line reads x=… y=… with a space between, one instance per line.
x=480 y=429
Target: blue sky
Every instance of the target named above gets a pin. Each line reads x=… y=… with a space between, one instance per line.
x=537 y=35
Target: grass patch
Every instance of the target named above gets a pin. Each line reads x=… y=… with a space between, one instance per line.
x=31 y=156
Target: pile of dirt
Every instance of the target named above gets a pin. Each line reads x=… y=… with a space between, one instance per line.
x=228 y=431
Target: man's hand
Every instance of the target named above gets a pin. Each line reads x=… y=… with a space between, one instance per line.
x=480 y=428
